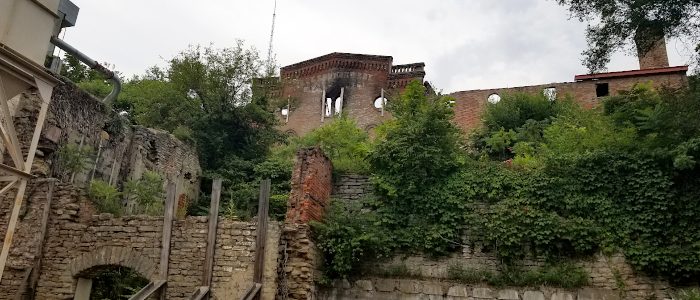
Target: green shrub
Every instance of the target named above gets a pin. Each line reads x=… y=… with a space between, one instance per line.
x=146 y=193
x=105 y=197
x=564 y=275
x=278 y=206
x=340 y=139
x=687 y=294
x=184 y=134
x=514 y=110
x=73 y=158
x=347 y=238
x=399 y=270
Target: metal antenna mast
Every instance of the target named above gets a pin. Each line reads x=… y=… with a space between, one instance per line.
x=272 y=33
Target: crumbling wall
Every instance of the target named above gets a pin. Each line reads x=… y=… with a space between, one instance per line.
x=362 y=76
x=470 y=105
x=351 y=187
x=125 y=151
x=299 y=258
x=79 y=243
x=311 y=186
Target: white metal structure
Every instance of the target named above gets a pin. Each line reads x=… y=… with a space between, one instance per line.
x=26 y=27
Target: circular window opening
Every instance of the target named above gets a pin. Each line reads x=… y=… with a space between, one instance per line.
x=379 y=102
x=493 y=98
x=285 y=111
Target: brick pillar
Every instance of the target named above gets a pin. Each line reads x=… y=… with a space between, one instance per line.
x=310 y=195
x=651 y=48
x=311 y=186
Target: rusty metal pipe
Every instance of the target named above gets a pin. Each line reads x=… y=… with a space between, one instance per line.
x=116 y=88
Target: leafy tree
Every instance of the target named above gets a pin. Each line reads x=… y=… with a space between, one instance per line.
x=415 y=161
x=73 y=158
x=616 y=24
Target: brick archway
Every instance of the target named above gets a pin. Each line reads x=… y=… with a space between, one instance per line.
x=83 y=265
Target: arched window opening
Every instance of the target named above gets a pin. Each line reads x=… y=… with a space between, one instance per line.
x=550 y=93
x=493 y=98
x=111 y=282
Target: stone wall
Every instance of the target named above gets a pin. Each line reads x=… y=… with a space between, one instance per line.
x=125 y=151
x=80 y=243
x=351 y=187
x=408 y=289
x=606 y=272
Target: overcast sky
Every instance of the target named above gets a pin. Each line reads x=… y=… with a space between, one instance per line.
x=465 y=44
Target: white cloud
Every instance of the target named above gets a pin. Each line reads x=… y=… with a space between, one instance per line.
x=465 y=44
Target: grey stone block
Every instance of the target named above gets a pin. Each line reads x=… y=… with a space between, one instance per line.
x=482 y=293
x=432 y=289
x=562 y=296
x=364 y=285
x=597 y=294
x=457 y=291
x=533 y=295
x=508 y=295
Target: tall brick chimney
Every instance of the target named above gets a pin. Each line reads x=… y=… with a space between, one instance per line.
x=651 y=48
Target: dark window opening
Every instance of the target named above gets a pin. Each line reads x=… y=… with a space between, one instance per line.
x=602 y=90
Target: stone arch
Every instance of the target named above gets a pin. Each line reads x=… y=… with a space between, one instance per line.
x=85 y=264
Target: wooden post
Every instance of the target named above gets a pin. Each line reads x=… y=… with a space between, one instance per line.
x=383 y=102
x=45 y=92
x=167 y=234
x=36 y=269
x=211 y=235
x=82 y=290
x=261 y=236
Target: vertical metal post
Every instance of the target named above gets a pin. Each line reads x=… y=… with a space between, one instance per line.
x=383 y=102
x=288 y=109
x=323 y=104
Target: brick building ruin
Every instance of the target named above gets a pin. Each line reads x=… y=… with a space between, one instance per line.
x=318 y=89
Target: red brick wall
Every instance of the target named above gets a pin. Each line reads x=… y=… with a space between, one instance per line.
x=470 y=105
x=362 y=76
x=311 y=186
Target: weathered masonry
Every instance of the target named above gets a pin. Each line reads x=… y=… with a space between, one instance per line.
x=314 y=91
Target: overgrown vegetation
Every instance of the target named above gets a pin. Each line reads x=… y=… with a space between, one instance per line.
x=115 y=283
x=140 y=196
x=106 y=197
x=145 y=195
x=563 y=275
x=687 y=294
x=72 y=158
x=565 y=183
